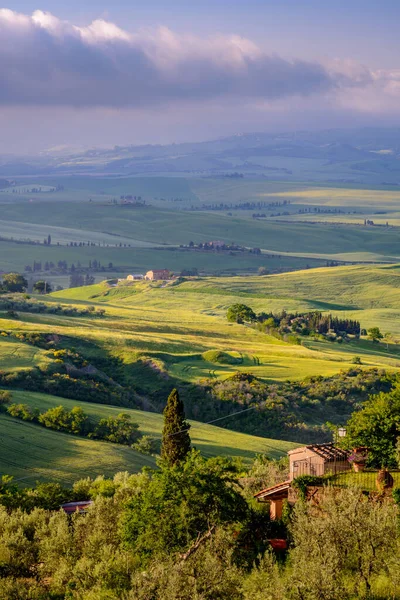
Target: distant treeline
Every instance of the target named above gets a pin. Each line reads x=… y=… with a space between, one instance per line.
x=241 y=205
x=220 y=247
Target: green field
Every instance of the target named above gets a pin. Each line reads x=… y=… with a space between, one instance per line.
x=31 y=452
x=136 y=237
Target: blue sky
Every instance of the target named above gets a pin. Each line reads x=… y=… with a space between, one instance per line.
x=172 y=70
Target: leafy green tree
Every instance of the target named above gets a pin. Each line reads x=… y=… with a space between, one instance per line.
x=14 y=282
x=182 y=503
x=23 y=411
x=56 y=418
x=374 y=334
x=49 y=496
x=119 y=429
x=240 y=313
x=377 y=426
x=175 y=436
x=42 y=287
x=78 y=421
x=5 y=398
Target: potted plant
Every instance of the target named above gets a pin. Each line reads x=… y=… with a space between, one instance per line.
x=358 y=459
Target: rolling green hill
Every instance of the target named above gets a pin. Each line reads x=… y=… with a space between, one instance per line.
x=31 y=452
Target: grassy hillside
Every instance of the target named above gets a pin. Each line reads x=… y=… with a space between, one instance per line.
x=32 y=453
x=168 y=334
x=55 y=455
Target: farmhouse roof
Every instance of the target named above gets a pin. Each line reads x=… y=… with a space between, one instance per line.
x=329 y=452
x=71 y=507
x=279 y=490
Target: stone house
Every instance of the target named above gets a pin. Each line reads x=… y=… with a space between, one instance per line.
x=158 y=275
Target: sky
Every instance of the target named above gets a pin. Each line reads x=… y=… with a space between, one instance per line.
x=88 y=73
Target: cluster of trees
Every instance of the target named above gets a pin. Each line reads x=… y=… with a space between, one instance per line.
x=286 y=324
x=13 y=282
x=62 y=266
x=309 y=323
x=376 y=425
x=119 y=429
x=300 y=323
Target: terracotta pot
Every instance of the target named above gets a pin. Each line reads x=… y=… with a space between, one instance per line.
x=358 y=466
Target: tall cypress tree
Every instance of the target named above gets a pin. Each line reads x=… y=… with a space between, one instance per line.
x=176 y=439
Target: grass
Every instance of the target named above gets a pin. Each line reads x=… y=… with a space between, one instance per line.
x=31 y=451
x=83 y=212
x=180 y=332
x=366 y=480
x=15 y=257
x=16 y=356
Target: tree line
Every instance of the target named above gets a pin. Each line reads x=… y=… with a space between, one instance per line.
x=119 y=430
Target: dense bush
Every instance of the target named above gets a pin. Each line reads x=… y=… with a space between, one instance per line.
x=79 y=386
x=291 y=410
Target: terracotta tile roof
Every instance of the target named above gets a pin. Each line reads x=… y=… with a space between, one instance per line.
x=277 y=489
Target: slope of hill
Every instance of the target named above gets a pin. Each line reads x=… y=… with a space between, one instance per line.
x=31 y=452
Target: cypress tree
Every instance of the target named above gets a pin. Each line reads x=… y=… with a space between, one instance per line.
x=176 y=439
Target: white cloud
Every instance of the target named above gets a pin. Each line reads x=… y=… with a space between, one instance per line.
x=46 y=61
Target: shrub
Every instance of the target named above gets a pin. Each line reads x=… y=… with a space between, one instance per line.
x=147 y=445
x=23 y=411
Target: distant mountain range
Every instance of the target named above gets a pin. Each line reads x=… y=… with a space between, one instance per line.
x=370 y=155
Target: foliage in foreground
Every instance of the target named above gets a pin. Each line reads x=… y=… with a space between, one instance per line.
x=192 y=531
x=377 y=426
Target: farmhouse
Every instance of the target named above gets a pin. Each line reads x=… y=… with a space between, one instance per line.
x=315 y=459
x=158 y=275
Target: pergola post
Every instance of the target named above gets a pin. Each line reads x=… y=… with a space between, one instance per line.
x=275 y=509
